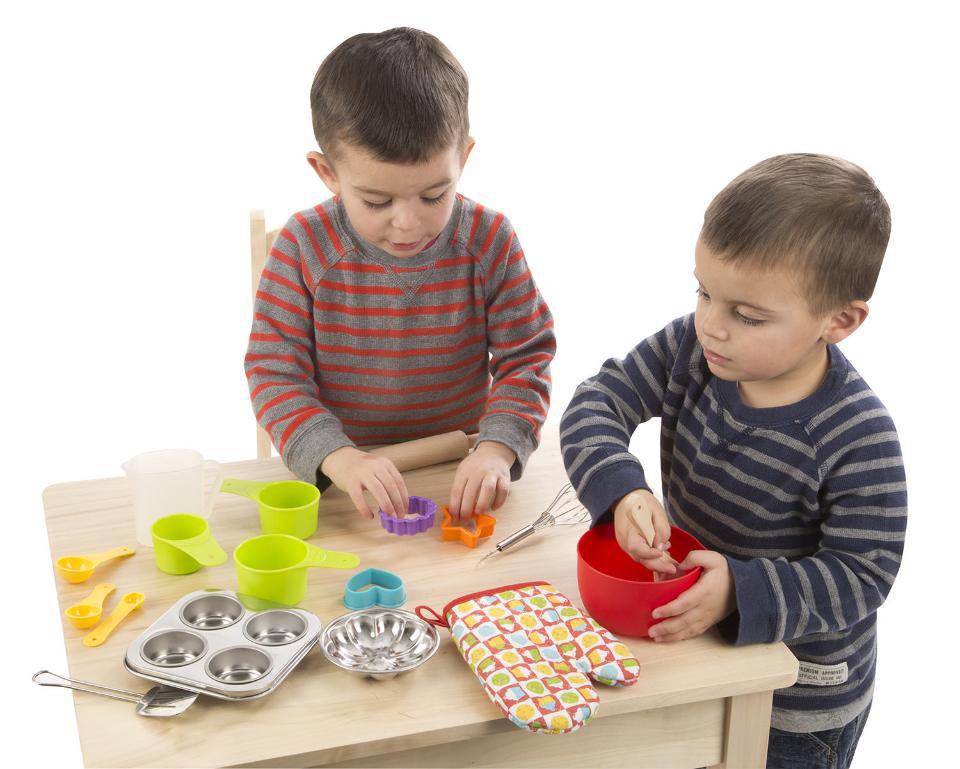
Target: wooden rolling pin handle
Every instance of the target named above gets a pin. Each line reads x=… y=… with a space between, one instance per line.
x=435 y=450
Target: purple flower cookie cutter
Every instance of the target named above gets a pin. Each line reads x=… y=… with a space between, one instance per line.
x=421 y=513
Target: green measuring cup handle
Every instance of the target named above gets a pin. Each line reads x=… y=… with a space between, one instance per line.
x=207 y=553
x=332 y=559
x=248 y=489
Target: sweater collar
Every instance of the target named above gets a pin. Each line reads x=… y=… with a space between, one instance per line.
x=818 y=400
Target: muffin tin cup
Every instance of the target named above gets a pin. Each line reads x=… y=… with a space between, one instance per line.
x=208 y=642
x=278 y=627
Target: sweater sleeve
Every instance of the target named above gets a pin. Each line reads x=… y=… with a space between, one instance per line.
x=280 y=364
x=520 y=340
x=605 y=411
x=863 y=500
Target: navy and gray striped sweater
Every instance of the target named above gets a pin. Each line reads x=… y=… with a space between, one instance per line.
x=807 y=502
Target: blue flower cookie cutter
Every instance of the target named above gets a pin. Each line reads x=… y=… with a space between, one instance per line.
x=374 y=587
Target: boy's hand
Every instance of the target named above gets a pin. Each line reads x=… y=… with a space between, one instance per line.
x=702 y=606
x=635 y=517
x=354 y=471
x=482 y=482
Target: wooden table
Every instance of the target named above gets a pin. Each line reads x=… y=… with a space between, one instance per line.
x=697 y=703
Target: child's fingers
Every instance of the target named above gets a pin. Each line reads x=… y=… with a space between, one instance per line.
x=456 y=493
x=376 y=488
x=488 y=490
x=393 y=492
x=503 y=491
x=401 y=485
x=637 y=547
x=662 y=528
x=660 y=565
x=686 y=601
x=469 y=502
x=356 y=496
x=706 y=559
x=686 y=625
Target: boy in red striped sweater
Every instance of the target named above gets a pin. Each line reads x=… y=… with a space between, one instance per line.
x=398 y=308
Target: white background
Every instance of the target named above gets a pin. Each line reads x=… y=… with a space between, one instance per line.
x=137 y=137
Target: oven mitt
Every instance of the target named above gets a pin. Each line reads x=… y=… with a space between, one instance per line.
x=535 y=653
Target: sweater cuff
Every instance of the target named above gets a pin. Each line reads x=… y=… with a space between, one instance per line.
x=516 y=434
x=609 y=485
x=754 y=620
x=306 y=452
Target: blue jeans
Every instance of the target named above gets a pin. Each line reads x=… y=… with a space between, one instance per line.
x=832 y=749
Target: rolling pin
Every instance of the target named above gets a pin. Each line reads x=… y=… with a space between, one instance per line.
x=423 y=452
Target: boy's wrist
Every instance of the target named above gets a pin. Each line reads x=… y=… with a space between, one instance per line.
x=608 y=486
x=336 y=459
x=496 y=449
x=639 y=493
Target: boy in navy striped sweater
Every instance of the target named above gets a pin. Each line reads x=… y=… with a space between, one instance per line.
x=398 y=309
x=775 y=453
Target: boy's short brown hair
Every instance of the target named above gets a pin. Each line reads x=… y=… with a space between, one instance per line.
x=820 y=215
x=399 y=94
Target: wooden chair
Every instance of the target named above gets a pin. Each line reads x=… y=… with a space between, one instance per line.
x=260 y=243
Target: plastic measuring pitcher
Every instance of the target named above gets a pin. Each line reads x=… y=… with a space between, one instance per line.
x=168 y=482
x=274 y=567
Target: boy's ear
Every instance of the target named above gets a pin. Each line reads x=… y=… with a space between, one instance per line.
x=466 y=151
x=324 y=169
x=845 y=321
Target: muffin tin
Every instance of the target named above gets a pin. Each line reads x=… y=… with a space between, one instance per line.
x=208 y=642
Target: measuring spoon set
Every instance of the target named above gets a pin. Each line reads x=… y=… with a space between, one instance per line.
x=89 y=611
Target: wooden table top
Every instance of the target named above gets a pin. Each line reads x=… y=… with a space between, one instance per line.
x=321 y=714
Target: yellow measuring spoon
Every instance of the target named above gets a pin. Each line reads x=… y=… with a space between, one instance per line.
x=78 y=568
x=128 y=603
x=88 y=611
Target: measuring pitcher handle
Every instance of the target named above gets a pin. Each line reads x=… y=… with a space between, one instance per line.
x=212 y=473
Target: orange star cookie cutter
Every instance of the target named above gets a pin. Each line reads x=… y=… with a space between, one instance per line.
x=450 y=532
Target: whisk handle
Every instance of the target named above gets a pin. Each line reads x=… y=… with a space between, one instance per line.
x=517 y=536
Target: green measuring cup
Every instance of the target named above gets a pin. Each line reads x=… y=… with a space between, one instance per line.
x=273 y=567
x=183 y=544
x=286 y=507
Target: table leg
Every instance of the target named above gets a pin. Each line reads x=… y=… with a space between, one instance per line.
x=747 y=731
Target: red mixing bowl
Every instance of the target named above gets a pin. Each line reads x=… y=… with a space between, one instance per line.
x=618 y=592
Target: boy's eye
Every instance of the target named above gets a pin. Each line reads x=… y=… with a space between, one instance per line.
x=703 y=294
x=376 y=206
x=434 y=201
x=749 y=321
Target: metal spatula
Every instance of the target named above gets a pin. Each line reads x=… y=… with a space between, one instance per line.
x=160 y=701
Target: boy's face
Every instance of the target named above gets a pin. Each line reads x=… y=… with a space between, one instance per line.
x=755 y=325
x=398 y=208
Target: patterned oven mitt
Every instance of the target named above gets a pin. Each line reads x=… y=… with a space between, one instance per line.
x=533 y=651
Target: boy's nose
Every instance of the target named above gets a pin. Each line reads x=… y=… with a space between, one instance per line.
x=404 y=220
x=712 y=326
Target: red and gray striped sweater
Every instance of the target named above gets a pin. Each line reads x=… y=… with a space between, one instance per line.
x=353 y=346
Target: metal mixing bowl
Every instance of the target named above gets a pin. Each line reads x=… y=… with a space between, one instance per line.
x=379 y=643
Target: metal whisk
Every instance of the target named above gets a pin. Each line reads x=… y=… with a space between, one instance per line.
x=565 y=510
